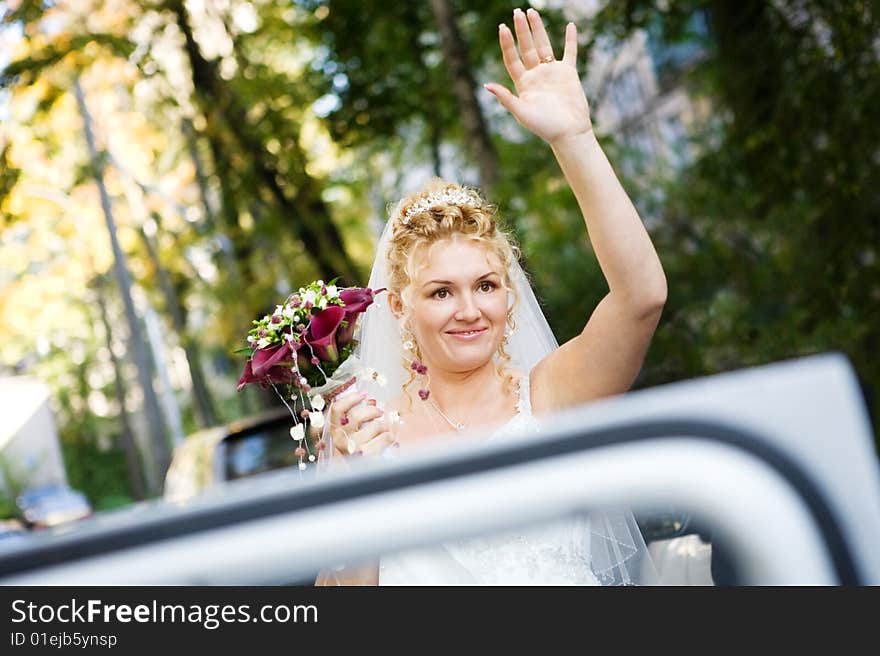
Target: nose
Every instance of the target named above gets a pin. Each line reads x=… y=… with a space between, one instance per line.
x=467 y=309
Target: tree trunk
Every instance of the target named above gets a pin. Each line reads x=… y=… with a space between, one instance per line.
x=201 y=396
x=435 y=133
x=210 y=223
x=154 y=419
x=308 y=213
x=463 y=85
x=127 y=439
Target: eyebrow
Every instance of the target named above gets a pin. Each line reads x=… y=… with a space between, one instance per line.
x=450 y=282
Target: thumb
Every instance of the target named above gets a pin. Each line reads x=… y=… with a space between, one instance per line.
x=505 y=97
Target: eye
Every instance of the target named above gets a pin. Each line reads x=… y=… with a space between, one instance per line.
x=442 y=289
x=491 y=285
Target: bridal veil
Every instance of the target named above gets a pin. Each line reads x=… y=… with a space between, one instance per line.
x=611 y=541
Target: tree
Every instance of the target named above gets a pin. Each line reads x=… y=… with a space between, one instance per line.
x=769 y=237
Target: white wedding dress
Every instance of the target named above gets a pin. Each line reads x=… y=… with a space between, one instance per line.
x=550 y=554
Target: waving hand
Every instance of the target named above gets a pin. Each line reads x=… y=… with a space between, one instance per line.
x=549 y=100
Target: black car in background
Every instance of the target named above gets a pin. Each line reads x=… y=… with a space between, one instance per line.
x=239 y=449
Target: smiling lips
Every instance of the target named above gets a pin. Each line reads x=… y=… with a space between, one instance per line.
x=467 y=334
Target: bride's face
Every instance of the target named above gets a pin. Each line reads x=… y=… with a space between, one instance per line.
x=460 y=288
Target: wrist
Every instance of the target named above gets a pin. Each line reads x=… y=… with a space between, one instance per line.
x=578 y=138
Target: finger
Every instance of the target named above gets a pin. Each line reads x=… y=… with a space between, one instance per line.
x=524 y=39
x=512 y=62
x=343 y=405
x=379 y=442
x=362 y=414
x=571 y=45
x=539 y=35
x=505 y=97
x=368 y=433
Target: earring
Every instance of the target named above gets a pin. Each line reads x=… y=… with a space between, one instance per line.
x=508 y=330
x=407 y=339
x=410 y=344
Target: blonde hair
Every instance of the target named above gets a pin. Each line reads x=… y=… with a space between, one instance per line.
x=431 y=223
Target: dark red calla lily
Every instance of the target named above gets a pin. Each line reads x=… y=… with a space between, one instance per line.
x=247 y=376
x=266 y=358
x=280 y=374
x=356 y=300
x=321 y=335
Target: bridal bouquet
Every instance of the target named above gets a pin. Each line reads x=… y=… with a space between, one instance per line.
x=306 y=345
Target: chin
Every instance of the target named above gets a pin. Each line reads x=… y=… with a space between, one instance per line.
x=463 y=360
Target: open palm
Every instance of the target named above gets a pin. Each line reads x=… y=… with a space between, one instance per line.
x=549 y=100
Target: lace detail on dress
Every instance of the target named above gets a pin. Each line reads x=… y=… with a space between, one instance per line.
x=524 y=404
x=549 y=554
x=523 y=419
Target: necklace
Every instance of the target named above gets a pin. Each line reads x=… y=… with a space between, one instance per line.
x=457 y=425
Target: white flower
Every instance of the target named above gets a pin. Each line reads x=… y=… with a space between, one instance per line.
x=263 y=343
x=317 y=419
x=289 y=311
x=297 y=432
x=320 y=283
x=309 y=297
x=322 y=304
x=332 y=292
x=318 y=402
x=251 y=339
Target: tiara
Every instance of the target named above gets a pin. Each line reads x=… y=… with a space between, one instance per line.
x=458 y=197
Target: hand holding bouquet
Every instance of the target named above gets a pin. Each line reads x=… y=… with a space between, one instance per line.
x=306 y=345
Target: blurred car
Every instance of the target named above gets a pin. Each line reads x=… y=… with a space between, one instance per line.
x=11 y=529
x=52 y=505
x=240 y=449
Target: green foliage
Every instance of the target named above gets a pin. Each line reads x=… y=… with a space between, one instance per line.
x=12 y=483
x=100 y=474
x=25 y=71
x=769 y=238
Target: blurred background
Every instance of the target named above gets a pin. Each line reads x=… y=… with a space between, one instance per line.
x=169 y=170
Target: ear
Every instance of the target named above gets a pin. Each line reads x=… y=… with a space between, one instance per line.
x=396 y=304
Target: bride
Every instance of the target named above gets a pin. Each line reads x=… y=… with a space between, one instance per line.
x=461 y=343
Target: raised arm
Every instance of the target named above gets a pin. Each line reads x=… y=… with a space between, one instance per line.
x=608 y=354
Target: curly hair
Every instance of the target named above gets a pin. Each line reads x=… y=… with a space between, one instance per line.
x=428 y=226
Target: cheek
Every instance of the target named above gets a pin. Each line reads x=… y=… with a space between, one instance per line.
x=497 y=307
x=430 y=317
